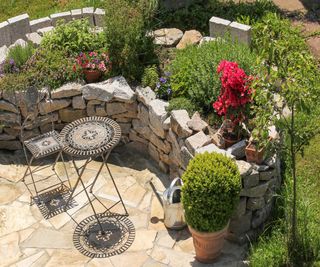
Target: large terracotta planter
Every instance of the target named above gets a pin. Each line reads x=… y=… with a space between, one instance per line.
x=208 y=246
x=92 y=76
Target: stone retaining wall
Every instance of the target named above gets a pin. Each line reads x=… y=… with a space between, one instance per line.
x=170 y=139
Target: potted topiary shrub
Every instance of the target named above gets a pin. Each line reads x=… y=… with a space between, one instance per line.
x=210 y=194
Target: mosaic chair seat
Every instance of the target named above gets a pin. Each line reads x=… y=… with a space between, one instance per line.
x=44 y=144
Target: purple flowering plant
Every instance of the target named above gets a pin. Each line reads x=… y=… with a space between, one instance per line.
x=8 y=66
x=163 y=87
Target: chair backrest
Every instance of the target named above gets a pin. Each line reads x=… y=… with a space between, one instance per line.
x=32 y=99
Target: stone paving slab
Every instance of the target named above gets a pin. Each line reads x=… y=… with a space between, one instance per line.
x=27 y=239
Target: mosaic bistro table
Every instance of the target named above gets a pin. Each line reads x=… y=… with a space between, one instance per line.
x=102 y=234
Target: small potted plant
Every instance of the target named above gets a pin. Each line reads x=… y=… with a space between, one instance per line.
x=210 y=193
x=234 y=100
x=255 y=150
x=93 y=65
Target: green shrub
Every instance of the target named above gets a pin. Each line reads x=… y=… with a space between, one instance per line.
x=194 y=70
x=14 y=82
x=276 y=40
x=182 y=103
x=20 y=54
x=73 y=37
x=130 y=48
x=50 y=68
x=210 y=191
x=201 y=12
x=150 y=77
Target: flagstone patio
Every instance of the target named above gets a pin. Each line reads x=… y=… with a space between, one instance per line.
x=27 y=239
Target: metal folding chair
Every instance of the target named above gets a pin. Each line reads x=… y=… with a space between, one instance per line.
x=49 y=199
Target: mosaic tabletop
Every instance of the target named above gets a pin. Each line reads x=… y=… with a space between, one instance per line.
x=90 y=136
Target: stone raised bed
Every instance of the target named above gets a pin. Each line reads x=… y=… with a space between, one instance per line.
x=170 y=139
x=20 y=29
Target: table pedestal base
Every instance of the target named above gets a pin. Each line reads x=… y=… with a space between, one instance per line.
x=117 y=236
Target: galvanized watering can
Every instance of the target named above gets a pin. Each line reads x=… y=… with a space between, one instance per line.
x=172 y=206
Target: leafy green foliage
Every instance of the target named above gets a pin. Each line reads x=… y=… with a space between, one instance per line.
x=272 y=248
x=270 y=252
x=126 y=27
x=275 y=40
x=288 y=61
x=201 y=11
x=14 y=82
x=20 y=54
x=194 y=70
x=210 y=191
x=182 y=103
x=150 y=77
x=292 y=75
x=51 y=69
x=73 y=37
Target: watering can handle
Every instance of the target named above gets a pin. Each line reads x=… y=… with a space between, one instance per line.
x=172 y=192
x=172 y=186
x=173 y=183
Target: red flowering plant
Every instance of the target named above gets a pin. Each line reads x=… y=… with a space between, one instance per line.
x=236 y=94
x=93 y=61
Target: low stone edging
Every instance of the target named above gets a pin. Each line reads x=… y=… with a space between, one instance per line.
x=18 y=27
x=19 y=30
x=171 y=140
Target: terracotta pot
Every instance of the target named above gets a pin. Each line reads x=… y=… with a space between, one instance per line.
x=208 y=246
x=92 y=76
x=254 y=155
x=228 y=142
x=230 y=138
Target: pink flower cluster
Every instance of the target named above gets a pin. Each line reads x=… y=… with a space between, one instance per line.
x=93 y=61
x=235 y=92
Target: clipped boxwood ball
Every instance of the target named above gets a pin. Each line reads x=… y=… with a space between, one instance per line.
x=210 y=192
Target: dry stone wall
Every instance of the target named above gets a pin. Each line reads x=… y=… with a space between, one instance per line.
x=171 y=139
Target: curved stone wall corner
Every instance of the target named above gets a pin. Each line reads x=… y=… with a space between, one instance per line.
x=171 y=140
